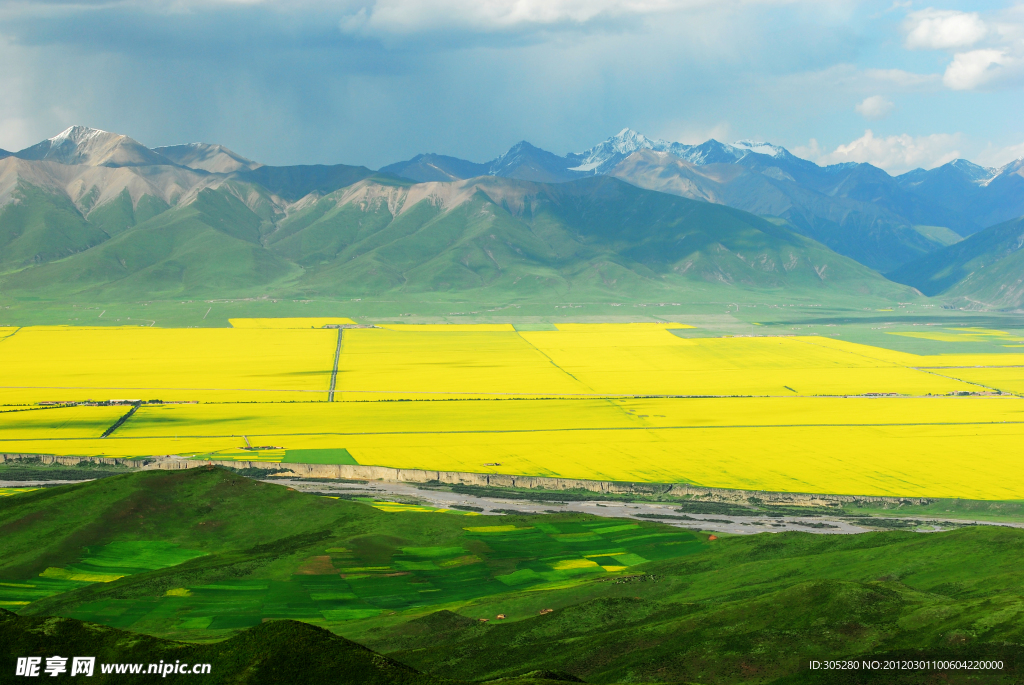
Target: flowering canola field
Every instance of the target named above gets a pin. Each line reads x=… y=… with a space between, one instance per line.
x=627 y=402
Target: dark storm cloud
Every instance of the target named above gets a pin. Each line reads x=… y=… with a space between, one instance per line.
x=373 y=82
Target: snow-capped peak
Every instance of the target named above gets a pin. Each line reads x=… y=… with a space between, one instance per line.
x=760 y=147
x=610 y=152
x=627 y=141
x=76 y=134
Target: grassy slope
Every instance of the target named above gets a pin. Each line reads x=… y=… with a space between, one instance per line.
x=210 y=247
x=597 y=240
x=740 y=609
x=41 y=227
x=760 y=605
x=593 y=240
x=986 y=266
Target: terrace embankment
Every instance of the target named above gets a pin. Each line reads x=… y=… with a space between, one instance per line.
x=493 y=480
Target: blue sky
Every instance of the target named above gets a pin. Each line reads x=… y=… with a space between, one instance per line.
x=897 y=84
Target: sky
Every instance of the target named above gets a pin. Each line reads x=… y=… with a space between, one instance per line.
x=897 y=84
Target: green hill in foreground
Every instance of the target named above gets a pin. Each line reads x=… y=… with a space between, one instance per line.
x=205 y=556
x=278 y=652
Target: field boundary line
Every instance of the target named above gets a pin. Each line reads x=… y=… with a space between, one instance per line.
x=120 y=422
x=919 y=369
x=334 y=369
x=12 y=334
x=547 y=430
x=980 y=385
x=553 y=362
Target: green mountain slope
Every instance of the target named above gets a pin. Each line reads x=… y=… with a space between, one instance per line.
x=40 y=227
x=854 y=214
x=594 y=238
x=987 y=267
x=210 y=247
x=202 y=554
x=488 y=239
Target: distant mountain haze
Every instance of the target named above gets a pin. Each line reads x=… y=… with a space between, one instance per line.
x=206 y=157
x=856 y=209
x=985 y=269
x=92 y=214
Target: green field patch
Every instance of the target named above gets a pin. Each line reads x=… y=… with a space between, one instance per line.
x=577 y=537
x=605 y=553
x=80 y=575
x=521 y=577
x=364 y=569
x=137 y=555
x=433 y=551
x=331 y=595
x=460 y=561
x=416 y=565
x=7 y=492
x=234 y=587
x=99 y=564
x=352 y=614
x=629 y=559
x=20 y=594
x=235 y=622
x=395 y=507
x=574 y=565
x=496 y=529
x=324 y=456
x=195 y=623
x=650 y=536
x=615 y=529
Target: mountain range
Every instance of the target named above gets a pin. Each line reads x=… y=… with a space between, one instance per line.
x=856 y=209
x=92 y=214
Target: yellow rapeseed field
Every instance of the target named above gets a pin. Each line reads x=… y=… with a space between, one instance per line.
x=348 y=419
x=1002 y=378
x=657 y=362
x=65 y=363
x=411 y=363
x=449 y=327
x=630 y=402
x=58 y=423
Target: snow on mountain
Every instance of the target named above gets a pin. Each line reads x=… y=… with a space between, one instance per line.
x=601 y=158
x=92 y=147
x=761 y=148
x=605 y=155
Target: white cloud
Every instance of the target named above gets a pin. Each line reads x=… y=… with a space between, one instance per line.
x=995 y=61
x=405 y=17
x=968 y=70
x=932 y=29
x=992 y=156
x=901 y=78
x=895 y=154
x=810 y=151
x=410 y=16
x=874 y=107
